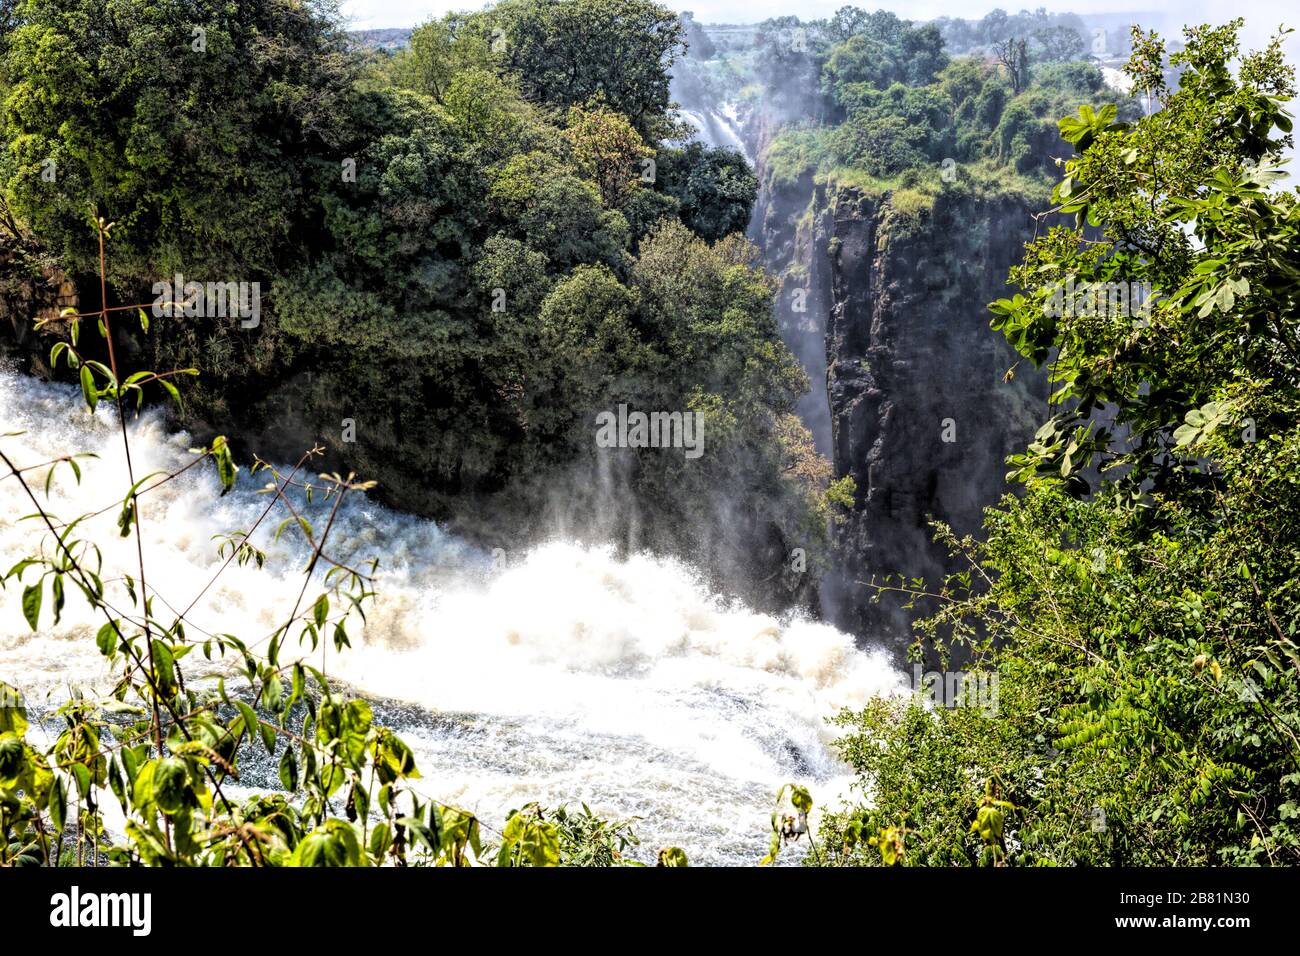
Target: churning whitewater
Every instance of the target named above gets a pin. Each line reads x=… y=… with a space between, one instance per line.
x=562 y=674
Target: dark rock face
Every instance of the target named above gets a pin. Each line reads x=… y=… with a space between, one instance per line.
x=908 y=390
x=921 y=414
x=32 y=289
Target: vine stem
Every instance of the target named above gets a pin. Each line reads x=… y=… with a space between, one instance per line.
x=130 y=474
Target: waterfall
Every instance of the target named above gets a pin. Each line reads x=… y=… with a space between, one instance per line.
x=560 y=674
x=717 y=126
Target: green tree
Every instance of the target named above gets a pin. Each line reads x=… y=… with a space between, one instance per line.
x=1058 y=44
x=715 y=188
x=197 y=117
x=1185 y=177
x=607 y=150
x=438 y=51
x=879 y=50
x=567 y=51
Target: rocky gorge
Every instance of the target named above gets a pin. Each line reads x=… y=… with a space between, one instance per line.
x=883 y=299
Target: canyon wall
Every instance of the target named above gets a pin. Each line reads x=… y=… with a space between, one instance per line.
x=910 y=388
x=923 y=412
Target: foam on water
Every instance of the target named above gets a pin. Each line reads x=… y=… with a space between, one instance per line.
x=567 y=674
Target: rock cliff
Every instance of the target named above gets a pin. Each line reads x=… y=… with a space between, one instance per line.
x=910 y=390
x=922 y=412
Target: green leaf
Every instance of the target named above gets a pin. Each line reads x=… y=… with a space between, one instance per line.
x=672 y=856
x=172 y=390
x=59 y=599
x=12 y=764
x=172 y=790
x=18 y=569
x=528 y=839
x=380 y=840
x=800 y=798
x=251 y=723
x=13 y=713
x=82 y=773
x=32 y=603
x=164 y=668
x=289 y=770
x=88 y=391
x=268 y=736
x=226 y=468
x=126 y=517
x=58 y=802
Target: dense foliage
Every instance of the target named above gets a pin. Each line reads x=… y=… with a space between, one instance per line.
x=890 y=100
x=1139 y=602
x=459 y=248
x=1052 y=36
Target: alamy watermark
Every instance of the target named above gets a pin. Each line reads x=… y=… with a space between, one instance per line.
x=1069 y=299
x=977 y=689
x=74 y=909
x=211 y=300
x=635 y=429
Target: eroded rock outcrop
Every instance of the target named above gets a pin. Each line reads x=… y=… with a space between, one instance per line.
x=910 y=392
x=923 y=412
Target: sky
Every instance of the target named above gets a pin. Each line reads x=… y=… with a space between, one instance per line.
x=1262 y=16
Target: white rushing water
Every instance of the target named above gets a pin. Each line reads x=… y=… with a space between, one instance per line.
x=565 y=675
x=717 y=127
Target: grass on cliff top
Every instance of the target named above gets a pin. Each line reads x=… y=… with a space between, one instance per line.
x=796 y=151
x=912 y=194
x=983 y=179
x=802 y=150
